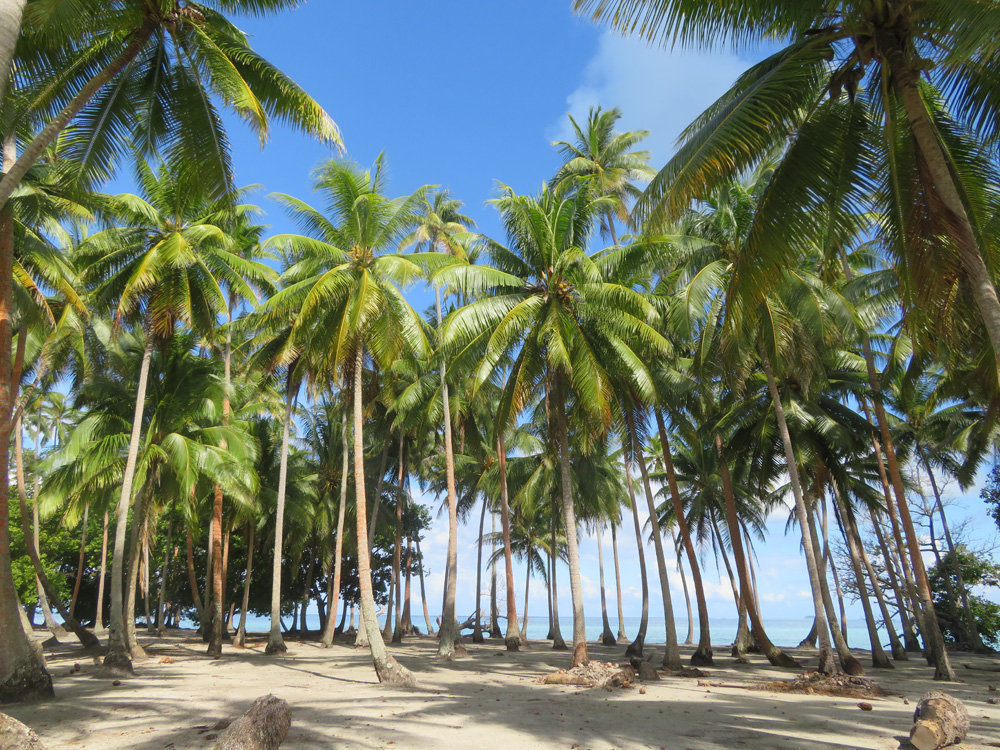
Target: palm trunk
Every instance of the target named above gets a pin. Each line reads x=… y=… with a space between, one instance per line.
x=241 y=633
x=558 y=644
x=117 y=661
x=34 y=530
x=672 y=653
x=828 y=563
x=407 y=621
x=99 y=613
x=449 y=625
x=82 y=560
x=397 y=555
x=847 y=660
x=527 y=584
x=970 y=628
x=165 y=575
x=847 y=528
x=22 y=669
x=338 y=552
x=387 y=668
x=306 y=589
x=569 y=518
x=622 y=637
x=361 y=638
x=741 y=643
x=775 y=655
x=635 y=647
x=826 y=663
x=193 y=579
x=494 y=610
x=548 y=593
x=477 y=632
x=512 y=639
x=86 y=638
x=896 y=646
x=10 y=28
x=47 y=135
x=218 y=575
x=910 y=641
x=206 y=624
x=702 y=656
x=140 y=516
x=275 y=641
x=607 y=637
x=423 y=592
x=688 y=639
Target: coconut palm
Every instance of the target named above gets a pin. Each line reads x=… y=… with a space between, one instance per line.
x=606 y=156
x=550 y=303
x=438 y=230
x=166 y=265
x=340 y=301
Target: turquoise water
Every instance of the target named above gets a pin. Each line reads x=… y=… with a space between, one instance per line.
x=784 y=633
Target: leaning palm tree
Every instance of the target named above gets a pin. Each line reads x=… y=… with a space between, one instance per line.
x=606 y=156
x=549 y=302
x=341 y=302
x=164 y=266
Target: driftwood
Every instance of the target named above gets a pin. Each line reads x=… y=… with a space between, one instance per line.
x=939 y=720
x=16 y=736
x=263 y=727
x=982 y=669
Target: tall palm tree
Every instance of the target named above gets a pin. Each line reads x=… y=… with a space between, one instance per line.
x=341 y=301
x=438 y=230
x=549 y=301
x=166 y=265
x=606 y=156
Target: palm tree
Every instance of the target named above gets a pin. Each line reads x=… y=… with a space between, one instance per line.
x=893 y=70
x=11 y=12
x=550 y=303
x=604 y=155
x=340 y=300
x=437 y=231
x=162 y=267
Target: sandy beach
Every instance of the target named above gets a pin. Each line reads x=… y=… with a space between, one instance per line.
x=491 y=699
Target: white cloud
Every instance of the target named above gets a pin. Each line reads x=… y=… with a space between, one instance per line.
x=658 y=90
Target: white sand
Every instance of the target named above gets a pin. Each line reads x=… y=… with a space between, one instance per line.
x=490 y=700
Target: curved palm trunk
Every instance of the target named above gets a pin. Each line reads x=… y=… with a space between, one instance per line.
x=86 y=638
x=407 y=621
x=193 y=579
x=910 y=641
x=241 y=632
x=741 y=643
x=397 y=558
x=971 y=631
x=338 y=552
x=117 y=661
x=775 y=655
x=477 y=632
x=622 y=637
x=879 y=659
x=387 y=669
x=607 y=637
x=32 y=531
x=828 y=564
x=672 y=653
x=919 y=121
x=826 y=663
x=513 y=639
x=449 y=625
x=569 y=517
x=702 y=656
x=82 y=559
x=22 y=669
x=635 y=647
x=275 y=641
x=10 y=28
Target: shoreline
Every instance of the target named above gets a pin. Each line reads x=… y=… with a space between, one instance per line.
x=490 y=699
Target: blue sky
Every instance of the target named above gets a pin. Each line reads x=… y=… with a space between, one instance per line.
x=466 y=94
